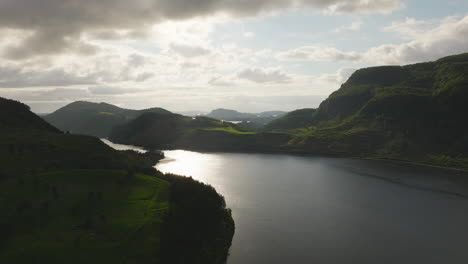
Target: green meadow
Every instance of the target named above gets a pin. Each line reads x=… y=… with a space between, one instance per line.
x=82 y=216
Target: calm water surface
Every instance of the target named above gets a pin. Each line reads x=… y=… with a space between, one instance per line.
x=295 y=209
x=122 y=147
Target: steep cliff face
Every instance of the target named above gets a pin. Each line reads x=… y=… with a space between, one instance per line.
x=410 y=112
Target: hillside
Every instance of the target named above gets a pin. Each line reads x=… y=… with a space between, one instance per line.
x=248 y=120
x=414 y=112
x=95 y=119
x=17 y=115
x=158 y=131
x=295 y=119
x=72 y=199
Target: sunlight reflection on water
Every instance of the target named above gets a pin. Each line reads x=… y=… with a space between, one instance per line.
x=123 y=147
x=206 y=168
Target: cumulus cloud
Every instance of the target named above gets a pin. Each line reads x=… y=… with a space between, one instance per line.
x=409 y=28
x=260 y=75
x=355 y=26
x=315 y=53
x=382 y=6
x=341 y=76
x=189 y=51
x=110 y=90
x=57 y=26
x=62 y=94
x=136 y=60
x=248 y=34
x=14 y=77
x=449 y=37
x=143 y=77
x=220 y=81
x=426 y=41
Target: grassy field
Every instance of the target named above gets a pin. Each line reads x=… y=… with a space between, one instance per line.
x=69 y=216
x=231 y=130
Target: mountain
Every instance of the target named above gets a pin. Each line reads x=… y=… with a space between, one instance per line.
x=414 y=112
x=295 y=119
x=191 y=113
x=250 y=120
x=161 y=131
x=96 y=119
x=72 y=199
x=17 y=115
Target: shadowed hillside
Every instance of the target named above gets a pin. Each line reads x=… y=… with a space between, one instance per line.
x=96 y=119
x=157 y=131
x=73 y=199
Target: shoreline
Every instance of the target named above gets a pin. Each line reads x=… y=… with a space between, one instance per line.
x=462 y=170
x=301 y=153
x=415 y=163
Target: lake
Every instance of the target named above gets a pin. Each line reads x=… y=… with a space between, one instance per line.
x=302 y=209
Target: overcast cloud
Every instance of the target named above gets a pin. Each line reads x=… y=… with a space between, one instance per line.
x=200 y=54
x=56 y=26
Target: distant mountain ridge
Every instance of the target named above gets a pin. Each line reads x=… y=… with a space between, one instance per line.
x=233 y=115
x=252 y=120
x=96 y=119
x=157 y=131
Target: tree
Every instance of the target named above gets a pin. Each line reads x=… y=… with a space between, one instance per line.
x=55 y=192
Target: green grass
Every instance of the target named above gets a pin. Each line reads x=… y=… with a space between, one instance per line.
x=230 y=130
x=98 y=213
x=106 y=113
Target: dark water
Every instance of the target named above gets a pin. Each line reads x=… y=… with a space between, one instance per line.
x=293 y=209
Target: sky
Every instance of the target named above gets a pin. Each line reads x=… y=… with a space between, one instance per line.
x=198 y=55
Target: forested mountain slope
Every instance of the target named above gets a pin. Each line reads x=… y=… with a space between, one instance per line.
x=96 y=119
x=72 y=199
x=415 y=112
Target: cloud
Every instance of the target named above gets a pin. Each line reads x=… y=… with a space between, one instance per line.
x=412 y=28
x=13 y=77
x=316 y=53
x=260 y=75
x=220 y=81
x=110 y=90
x=62 y=94
x=248 y=34
x=136 y=60
x=426 y=41
x=355 y=26
x=142 y=77
x=449 y=37
x=341 y=76
x=362 y=6
x=189 y=51
x=58 y=26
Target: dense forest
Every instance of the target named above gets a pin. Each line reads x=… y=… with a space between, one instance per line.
x=72 y=199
